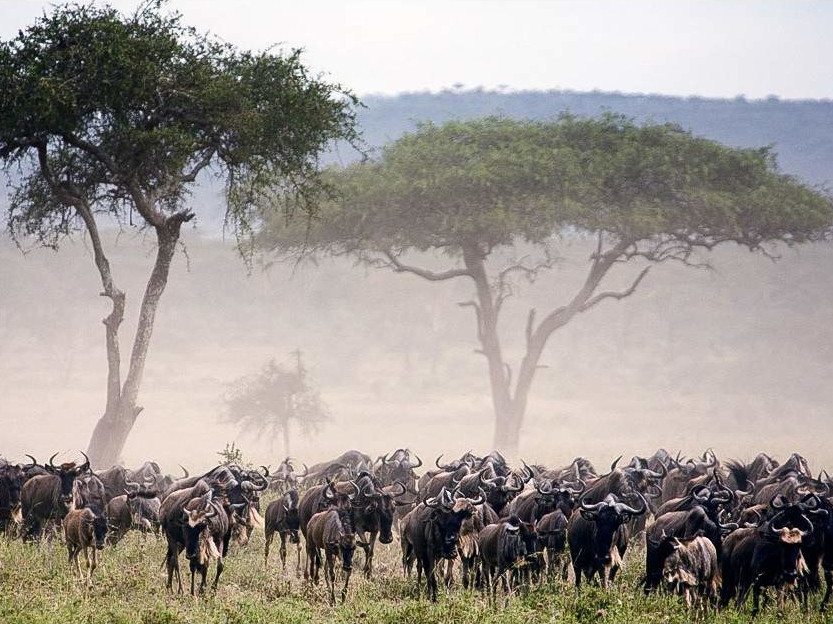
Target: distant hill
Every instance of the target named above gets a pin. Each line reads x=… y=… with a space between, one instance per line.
x=801 y=131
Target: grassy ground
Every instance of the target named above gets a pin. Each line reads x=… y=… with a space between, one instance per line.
x=37 y=585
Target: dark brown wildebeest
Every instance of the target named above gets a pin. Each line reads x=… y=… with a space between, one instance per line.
x=173 y=520
x=85 y=529
x=430 y=532
x=332 y=531
x=46 y=499
x=691 y=570
x=11 y=482
x=598 y=538
x=501 y=549
x=767 y=556
x=552 y=539
x=138 y=508
x=282 y=518
x=207 y=535
x=345 y=467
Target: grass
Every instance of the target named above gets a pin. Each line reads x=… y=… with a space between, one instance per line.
x=37 y=585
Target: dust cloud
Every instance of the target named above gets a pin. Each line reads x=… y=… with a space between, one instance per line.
x=738 y=359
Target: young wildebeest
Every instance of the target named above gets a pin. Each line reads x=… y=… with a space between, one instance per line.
x=332 y=530
x=85 y=529
x=282 y=518
x=552 y=538
x=501 y=549
x=598 y=539
x=691 y=569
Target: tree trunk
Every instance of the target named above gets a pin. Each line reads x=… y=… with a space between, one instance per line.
x=111 y=431
x=286 y=439
x=508 y=418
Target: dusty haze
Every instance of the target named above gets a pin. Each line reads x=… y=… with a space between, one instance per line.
x=738 y=358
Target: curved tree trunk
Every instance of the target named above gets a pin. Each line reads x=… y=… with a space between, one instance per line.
x=111 y=431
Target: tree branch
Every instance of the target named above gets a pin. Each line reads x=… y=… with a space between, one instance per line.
x=399 y=267
x=615 y=294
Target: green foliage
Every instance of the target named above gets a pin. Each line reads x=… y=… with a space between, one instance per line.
x=231 y=454
x=493 y=181
x=124 y=112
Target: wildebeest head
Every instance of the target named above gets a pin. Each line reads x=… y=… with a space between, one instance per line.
x=100 y=527
x=608 y=515
x=448 y=515
x=67 y=472
x=289 y=501
x=197 y=514
x=11 y=482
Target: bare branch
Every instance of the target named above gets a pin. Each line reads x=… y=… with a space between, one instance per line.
x=478 y=314
x=615 y=294
x=399 y=267
x=199 y=166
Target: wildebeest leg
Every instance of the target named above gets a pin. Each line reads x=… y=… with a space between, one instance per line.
x=282 y=550
x=368 y=553
x=577 y=574
x=430 y=579
x=449 y=572
x=269 y=533
x=220 y=566
x=193 y=567
x=91 y=563
x=419 y=577
x=298 y=565
x=828 y=580
x=346 y=582
x=330 y=575
x=756 y=598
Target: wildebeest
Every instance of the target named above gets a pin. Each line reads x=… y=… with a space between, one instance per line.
x=430 y=533
x=597 y=537
x=552 y=539
x=11 y=483
x=503 y=547
x=207 y=534
x=284 y=478
x=137 y=508
x=332 y=531
x=766 y=556
x=47 y=498
x=691 y=569
x=282 y=518
x=173 y=520
x=85 y=529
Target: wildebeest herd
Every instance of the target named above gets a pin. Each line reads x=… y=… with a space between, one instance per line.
x=713 y=530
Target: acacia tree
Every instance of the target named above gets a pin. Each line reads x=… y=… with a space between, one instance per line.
x=268 y=402
x=105 y=115
x=476 y=192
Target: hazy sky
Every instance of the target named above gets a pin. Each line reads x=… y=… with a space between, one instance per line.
x=719 y=48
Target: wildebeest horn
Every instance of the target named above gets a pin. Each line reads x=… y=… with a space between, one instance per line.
x=186 y=474
x=368 y=491
x=700 y=498
x=528 y=473
x=265 y=471
x=86 y=465
x=615 y=461
x=416 y=465
x=432 y=502
x=34 y=461
x=51 y=458
x=481 y=497
x=516 y=488
x=740 y=494
x=624 y=508
x=401 y=485
x=440 y=466
x=778 y=502
x=329 y=492
x=306 y=470
x=544 y=490
x=591 y=508
x=352 y=497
